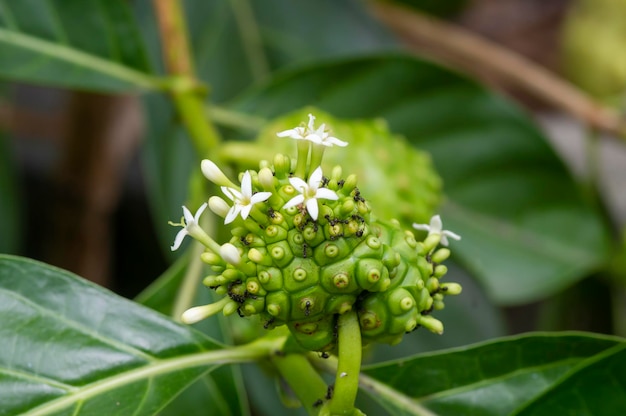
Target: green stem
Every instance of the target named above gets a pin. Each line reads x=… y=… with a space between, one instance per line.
x=349 y=364
x=191 y=280
x=375 y=388
x=317 y=153
x=234 y=119
x=302 y=378
x=303 y=157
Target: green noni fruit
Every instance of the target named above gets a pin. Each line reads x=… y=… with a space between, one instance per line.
x=306 y=248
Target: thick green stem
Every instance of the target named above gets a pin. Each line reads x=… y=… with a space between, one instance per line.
x=348 y=366
x=303 y=379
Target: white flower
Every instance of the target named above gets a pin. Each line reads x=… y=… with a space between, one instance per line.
x=436 y=227
x=310 y=193
x=317 y=136
x=189 y=224
x=244 y=200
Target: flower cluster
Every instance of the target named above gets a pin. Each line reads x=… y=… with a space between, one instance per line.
x=305 y=249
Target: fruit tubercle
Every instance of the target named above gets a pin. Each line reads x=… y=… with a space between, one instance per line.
x=305 y=248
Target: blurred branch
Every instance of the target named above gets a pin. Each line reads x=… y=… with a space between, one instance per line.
x=187 y=93
x=460 y=48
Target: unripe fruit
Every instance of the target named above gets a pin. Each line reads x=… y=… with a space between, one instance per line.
x=311 y=251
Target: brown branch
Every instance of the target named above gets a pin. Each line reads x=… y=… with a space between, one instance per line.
x=171 y=21
x=481 y=58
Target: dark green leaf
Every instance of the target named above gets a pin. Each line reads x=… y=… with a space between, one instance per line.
x=492 y=378
x=221 y=390
x=596 y=386
x=527 y=231
x=86 y=44
x=71 y=347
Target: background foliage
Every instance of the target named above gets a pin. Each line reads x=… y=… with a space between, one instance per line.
x=531 y=232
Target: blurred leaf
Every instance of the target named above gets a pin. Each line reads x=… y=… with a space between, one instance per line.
x=596 y=386
x=496 y=377
x=527 y=231
x=71 y=347
x=9 y=197
x=83 y=44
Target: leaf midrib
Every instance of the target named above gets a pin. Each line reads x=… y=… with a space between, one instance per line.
x=81 y=59
x=156 y=368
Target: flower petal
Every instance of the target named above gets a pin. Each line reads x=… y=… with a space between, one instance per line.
x=199 y=212
x=179 y=239
x=435 y=224
x=245 y=210
x=313 y=208
x=260 y=197
x=311 y=124
x=246 y=185
x=331 y=141
x=188 y=216
x=298 y=183
x=325 y=193
x=232 y=214
x=296 y=200
x=421 y=227
x=316 y=178
x=231 y=193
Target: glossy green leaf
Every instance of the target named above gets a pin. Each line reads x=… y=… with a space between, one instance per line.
x=86 y=44
x=527 y=230
x=9 y=195
x=595 y=387
x=222 y=389
x=492 y=378
x=68 y=346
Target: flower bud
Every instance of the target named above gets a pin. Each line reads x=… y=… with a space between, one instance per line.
x=230 y=254
x=214 y=174
x=218 y=206
x=266 y=179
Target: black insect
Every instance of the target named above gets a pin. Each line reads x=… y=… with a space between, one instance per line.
x=307 y=308
x=268 y=323
x=330 y=391
x=325 y=181
x=244 y=240
x=324 y=355
x=359 y=233
x=239 y=298
x=305 y=246
x=357 y=195
x=271 y=213
x=318 y=403
x=340 y=183
x=358 y=218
